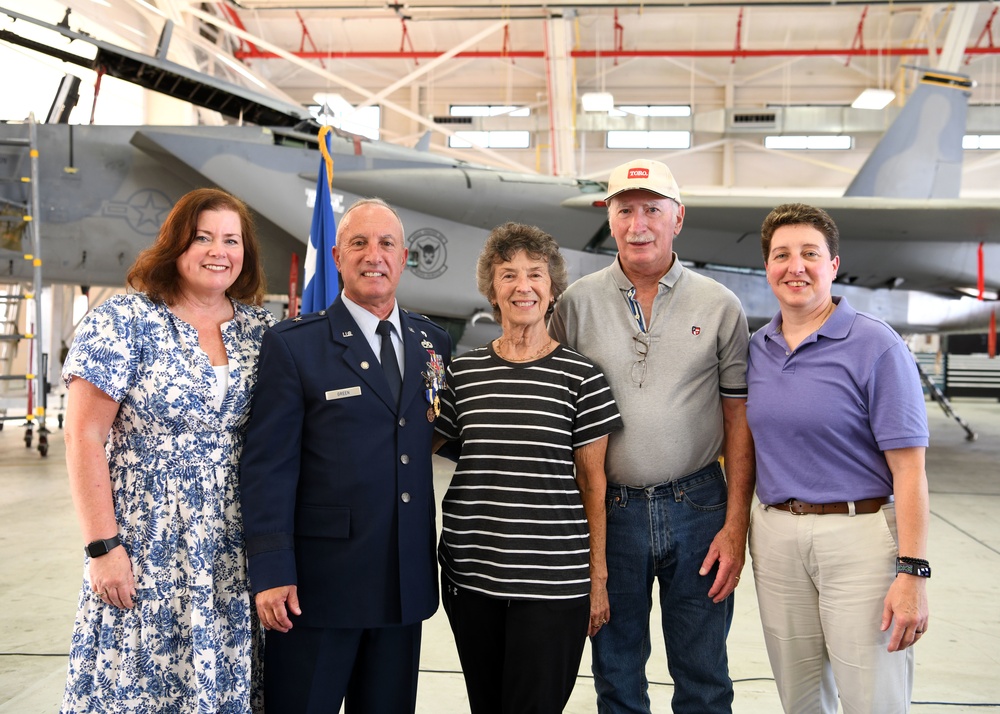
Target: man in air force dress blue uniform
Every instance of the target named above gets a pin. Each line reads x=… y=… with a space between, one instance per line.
x=337 y=487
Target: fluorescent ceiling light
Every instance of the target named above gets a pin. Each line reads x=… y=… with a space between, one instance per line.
x=874 y=99
x=597 y=102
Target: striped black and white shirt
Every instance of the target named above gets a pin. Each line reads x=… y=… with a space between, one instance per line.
x=514 y=522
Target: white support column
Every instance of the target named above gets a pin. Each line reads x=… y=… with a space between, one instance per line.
x=561 y=97
x=728 y=150
x=959 y=32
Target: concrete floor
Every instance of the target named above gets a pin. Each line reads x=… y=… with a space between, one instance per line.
x=958 y=661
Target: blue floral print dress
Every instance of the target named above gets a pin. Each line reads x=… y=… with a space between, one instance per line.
x=192 y=643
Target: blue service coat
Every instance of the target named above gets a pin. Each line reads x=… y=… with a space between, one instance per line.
x=336 y=484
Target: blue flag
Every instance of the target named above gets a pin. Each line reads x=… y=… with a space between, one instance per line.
x=320 y=286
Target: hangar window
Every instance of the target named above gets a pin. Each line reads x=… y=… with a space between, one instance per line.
x=494 y=139
x=490 y=139
x=989 y=142
x=484 y=110
x=809 y=143
x=29 y=84
x=364 y=122
x=648 y=139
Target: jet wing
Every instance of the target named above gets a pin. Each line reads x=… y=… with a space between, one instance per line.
x=485 y=198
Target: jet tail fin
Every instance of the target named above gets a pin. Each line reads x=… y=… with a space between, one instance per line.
x=424 y=144
x=920 y=155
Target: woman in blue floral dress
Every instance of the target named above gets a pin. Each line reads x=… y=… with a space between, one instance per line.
x=159 y=391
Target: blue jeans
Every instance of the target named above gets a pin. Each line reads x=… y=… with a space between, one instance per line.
x=663 y=532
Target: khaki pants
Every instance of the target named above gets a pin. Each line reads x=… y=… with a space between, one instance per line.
x=821 y=581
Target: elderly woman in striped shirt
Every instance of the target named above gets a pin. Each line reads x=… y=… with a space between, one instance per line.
x=524 y=577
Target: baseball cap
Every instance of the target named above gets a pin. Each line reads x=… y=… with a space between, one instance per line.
x=652 y=176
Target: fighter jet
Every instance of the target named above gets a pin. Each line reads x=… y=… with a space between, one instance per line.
x=105 y=190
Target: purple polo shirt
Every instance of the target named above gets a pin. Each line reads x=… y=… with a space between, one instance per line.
x=821 y=416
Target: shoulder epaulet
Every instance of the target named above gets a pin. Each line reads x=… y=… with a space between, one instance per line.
x=293 y=322
x=418 y=316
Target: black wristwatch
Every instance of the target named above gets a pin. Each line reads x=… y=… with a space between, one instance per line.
x=101 y=547
x=913 y=566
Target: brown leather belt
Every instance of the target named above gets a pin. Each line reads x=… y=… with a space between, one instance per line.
x=801 y=508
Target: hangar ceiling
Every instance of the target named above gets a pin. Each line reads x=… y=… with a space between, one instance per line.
x=416 y=57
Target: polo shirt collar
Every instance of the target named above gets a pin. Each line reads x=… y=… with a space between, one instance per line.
x=836 y=327
x=839 y=324
x=668 y=280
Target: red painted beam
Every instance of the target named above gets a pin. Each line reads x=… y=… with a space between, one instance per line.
x=594 y=54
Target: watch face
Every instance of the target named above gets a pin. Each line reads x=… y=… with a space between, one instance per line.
x=101 y=547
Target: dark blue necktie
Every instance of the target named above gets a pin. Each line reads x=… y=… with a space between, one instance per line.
x=390 y=365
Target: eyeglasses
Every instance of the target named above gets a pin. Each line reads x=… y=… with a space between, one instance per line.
x=641 y=344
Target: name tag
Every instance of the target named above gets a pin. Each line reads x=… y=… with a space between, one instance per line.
x=342 y=393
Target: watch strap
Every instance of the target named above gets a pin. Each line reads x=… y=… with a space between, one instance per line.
x=97 y=548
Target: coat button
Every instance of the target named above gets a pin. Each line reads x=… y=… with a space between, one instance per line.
x=404 y=459
x=405 y=498
x=402 y=421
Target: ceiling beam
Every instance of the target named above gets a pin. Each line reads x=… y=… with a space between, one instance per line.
x=347 y=84
x=957 y=40
x=425 y=68
x=900 y=51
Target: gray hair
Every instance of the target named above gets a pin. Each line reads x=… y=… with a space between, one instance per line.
x=374 y=201
x=504 y=242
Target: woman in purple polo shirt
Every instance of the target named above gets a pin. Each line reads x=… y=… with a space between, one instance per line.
x=839 y=539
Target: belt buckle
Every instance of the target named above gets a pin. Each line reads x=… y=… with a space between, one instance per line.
x=792 y=506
